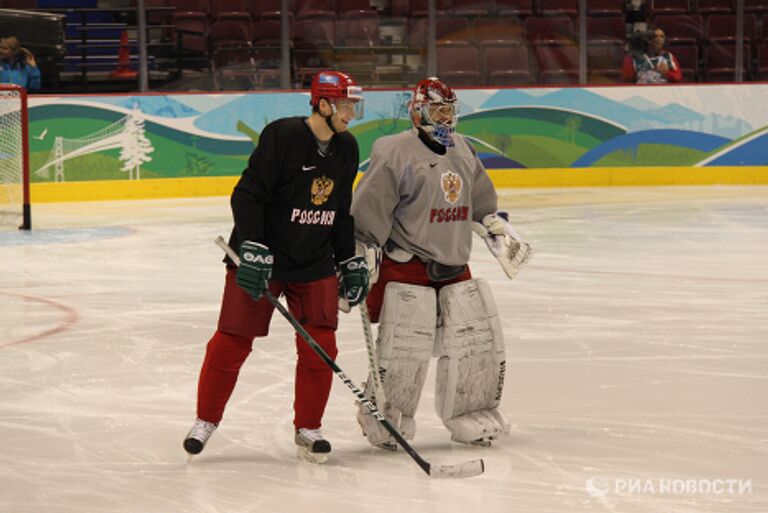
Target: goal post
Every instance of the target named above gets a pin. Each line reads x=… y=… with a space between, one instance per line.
x=14 y=158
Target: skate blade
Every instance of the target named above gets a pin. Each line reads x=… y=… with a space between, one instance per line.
x=482 y=442
x=388 y=446
x=318 y=458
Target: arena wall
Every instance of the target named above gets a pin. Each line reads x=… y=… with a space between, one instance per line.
x=184 y=145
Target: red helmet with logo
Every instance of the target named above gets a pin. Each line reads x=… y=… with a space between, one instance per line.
x=430 y=97
x=334 y=85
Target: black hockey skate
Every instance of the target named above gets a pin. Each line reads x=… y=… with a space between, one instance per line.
x=198 y=436
x=311 y=446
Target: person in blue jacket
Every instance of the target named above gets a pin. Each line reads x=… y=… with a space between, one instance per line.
x=18 y=65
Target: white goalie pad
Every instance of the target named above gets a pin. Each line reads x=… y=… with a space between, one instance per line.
x=470 y=370
x=406 y=337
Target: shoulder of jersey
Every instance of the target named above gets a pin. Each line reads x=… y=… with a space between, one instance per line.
x=388 y=141
x=347 y=138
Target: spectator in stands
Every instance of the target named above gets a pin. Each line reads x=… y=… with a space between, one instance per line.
x=18 y=65
x=648 y=62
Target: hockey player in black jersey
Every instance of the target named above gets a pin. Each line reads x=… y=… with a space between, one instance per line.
x=293 y=231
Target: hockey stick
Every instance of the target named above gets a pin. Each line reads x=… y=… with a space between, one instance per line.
x=378 y=389
x=467 y=469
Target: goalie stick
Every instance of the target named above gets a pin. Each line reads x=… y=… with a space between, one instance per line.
x=378 y=389
x=467 y=469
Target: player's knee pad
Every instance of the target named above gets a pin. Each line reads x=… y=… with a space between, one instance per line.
x=226 y=352
x=471 y=364
x=404 y=346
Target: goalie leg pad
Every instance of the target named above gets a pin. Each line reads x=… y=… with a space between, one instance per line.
x=471 y=365
x=406 y=337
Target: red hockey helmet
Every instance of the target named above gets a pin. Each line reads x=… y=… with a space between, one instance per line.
x=336 y=86
x=433 y=103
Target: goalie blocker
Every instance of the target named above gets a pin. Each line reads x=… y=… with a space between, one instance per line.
x=471 y=360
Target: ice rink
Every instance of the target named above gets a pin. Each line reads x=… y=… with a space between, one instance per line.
x=637 y=369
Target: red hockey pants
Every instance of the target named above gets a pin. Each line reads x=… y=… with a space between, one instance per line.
x=413 y=271
x=313 y=304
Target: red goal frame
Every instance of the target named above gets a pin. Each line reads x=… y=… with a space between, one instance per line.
x=26 y=223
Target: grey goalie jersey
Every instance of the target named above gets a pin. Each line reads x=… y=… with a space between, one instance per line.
x=422 y=201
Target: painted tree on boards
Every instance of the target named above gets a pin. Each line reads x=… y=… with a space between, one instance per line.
x=136 y=147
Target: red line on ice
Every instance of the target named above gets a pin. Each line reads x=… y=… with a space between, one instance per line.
x=70 y=318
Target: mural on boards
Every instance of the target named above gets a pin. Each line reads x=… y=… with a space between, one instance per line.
x=119 y=137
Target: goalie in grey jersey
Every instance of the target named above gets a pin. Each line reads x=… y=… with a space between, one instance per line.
x=416 y=207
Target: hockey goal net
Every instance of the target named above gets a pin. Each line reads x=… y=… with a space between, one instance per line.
x=14 y=158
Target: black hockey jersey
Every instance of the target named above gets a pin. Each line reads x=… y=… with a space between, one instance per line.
x=296 y=200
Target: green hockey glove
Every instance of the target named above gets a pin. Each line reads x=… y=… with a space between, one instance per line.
x=353 y=282
x=255 y=268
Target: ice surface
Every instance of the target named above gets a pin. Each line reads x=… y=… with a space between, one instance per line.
x=637 y=357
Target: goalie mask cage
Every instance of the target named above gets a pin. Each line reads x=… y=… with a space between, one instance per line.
x=14 y=158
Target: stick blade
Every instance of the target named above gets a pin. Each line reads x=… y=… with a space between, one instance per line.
x=462 y=470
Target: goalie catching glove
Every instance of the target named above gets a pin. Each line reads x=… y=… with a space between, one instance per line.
x=504 y=242
x=353 y=280
x=255 y=268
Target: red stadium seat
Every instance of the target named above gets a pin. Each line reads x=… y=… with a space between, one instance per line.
x=219 y=7
x=266 y=9
x=609 y=30
x=419 y=8
x=192 y=30
x=605 y=7
x=459 y=66
x=550 y=31
x=359 y=31
x=231 y=54
x=558 y=64
x=722 y=28
x=266 y=32
x=557 y=8
x=682 y=28
x=241 y=18
x=762 y=62
x=720 y=62
x=670 y=7
x=757 y=6
x=604 y=63
x=688 y=58
x=450 y=32
x=355 y=8
x=472 y=8
x=498 y=31
x=306 y=9
x=508 y=65
x=190 y=6
x=714 y=6
x=514 y=7
x=314 y=32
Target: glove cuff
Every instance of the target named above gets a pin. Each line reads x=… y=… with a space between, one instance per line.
x=253 y=245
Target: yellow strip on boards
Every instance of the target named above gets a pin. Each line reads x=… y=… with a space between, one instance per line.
x=629 y=176
x=502 y=178
x=133 y=189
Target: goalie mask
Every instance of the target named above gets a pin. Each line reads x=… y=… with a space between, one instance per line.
x=341 y=91
x=434 y=109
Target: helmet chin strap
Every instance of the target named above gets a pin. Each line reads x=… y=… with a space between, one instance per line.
x=328 y=118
